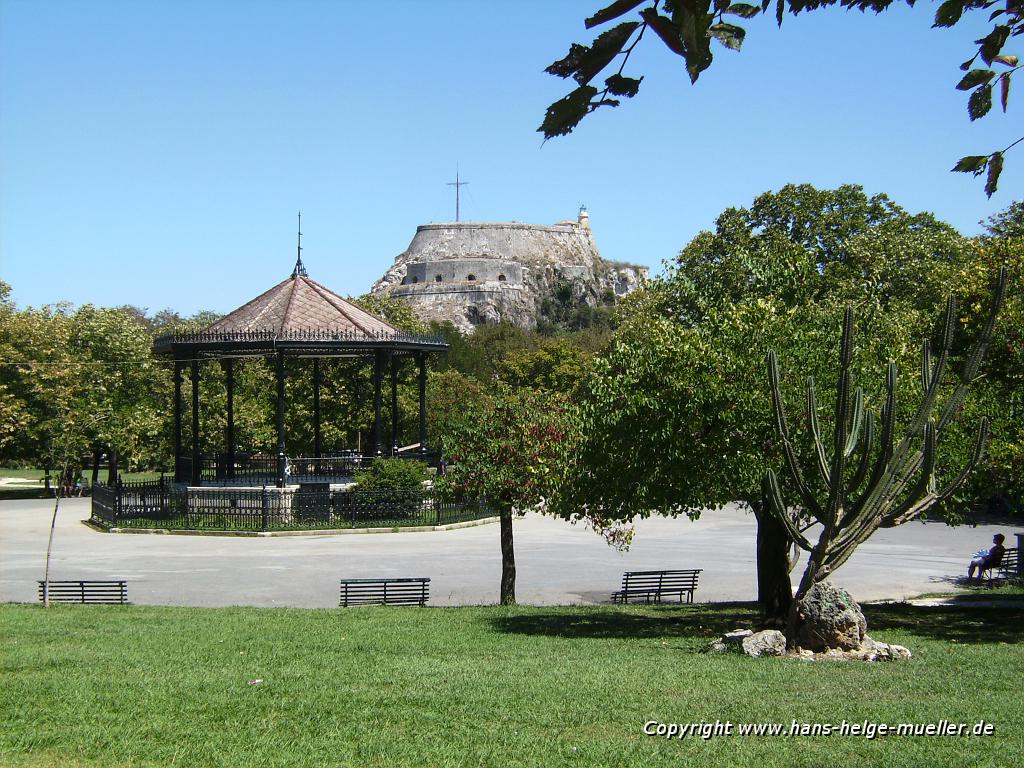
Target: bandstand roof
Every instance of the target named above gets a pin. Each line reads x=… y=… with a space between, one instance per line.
x=297 y=316
x=299 y=304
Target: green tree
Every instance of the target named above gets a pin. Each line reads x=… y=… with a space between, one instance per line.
x=678 y=412
x=13 y=410
x=688 y=27
x=1008 y=223
x=504 y=451
x=125 y=387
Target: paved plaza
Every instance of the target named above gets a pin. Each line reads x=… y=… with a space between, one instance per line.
x=557 y=563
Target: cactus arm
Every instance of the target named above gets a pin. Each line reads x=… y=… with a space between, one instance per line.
x=866 y=449
x=887 y=437
x=842 y=553
x=808 y=499
x=974 y=361
x=924 y=412
x=773 y=496
x=812 y=427
x=933 y=497
x=925 y=486
x=836 y=490
x=907 y=511
x=926 y=366
x=862 y=465
x=857 y=422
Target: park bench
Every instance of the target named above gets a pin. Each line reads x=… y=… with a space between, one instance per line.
x=1008 y=568
x=384 y=592
x=652 y=586
x=110 y=592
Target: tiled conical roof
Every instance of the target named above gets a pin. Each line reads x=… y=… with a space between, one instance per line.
x=298 y=305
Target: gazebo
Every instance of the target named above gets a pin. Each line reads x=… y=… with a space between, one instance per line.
x=298 y=318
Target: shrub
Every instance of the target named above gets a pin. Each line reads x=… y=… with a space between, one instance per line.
x=392 y=475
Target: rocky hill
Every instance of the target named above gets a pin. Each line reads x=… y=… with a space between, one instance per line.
x=474 y=273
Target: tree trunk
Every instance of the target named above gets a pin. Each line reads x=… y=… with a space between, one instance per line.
x=508 y=560
x=774 y=588
x=112 y=466
x=96 y=454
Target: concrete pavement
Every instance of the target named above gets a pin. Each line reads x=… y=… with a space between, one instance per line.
x=557 y=563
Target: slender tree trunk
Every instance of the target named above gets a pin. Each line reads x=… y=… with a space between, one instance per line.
x=508 y=560
x=49 y=542
x=774 y=588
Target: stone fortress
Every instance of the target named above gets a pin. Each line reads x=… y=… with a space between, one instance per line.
x=473 y=273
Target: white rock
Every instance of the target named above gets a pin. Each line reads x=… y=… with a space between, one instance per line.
x=768 y=642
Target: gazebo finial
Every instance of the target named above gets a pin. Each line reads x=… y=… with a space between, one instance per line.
x=300 y=270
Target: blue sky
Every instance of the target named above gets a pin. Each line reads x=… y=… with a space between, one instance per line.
x=156 y=153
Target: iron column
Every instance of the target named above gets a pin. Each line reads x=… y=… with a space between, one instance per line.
x=394 y=405
x=281 y=460
x=197 y=459
x=178 y=365
x=421 y=360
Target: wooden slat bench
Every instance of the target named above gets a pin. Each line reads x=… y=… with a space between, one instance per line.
x=1009 y=568
x=384 y=592
x=651 y=586
x=113 y=592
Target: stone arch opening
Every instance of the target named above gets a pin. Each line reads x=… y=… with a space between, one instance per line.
x=501 y=278
x=471 y=278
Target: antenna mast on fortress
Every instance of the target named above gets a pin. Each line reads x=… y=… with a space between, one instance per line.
x=457 y=184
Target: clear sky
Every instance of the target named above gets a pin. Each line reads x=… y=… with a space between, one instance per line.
x=156 y=153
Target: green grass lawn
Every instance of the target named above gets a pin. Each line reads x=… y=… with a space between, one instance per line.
x=140 y=686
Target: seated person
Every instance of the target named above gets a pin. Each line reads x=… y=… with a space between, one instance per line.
x=990 y=559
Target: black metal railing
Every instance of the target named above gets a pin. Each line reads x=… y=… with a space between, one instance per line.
x=261 y=468
x=168 y=505
x=243 y=468
x=104 y=501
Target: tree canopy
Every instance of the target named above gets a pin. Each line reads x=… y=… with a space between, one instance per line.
x=678 y=411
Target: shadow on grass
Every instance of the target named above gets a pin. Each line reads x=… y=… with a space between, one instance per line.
x=961 y=624
x=700 y=621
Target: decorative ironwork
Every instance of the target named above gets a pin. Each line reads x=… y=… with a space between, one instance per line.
x=310 y=335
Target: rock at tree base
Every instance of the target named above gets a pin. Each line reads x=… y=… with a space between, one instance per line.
x=768 y=642
x=826 y=619
x=730 y=640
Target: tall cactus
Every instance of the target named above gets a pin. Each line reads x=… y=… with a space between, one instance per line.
x=889 y=485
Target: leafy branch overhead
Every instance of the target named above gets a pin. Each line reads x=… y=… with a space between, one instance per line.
x=687 y=28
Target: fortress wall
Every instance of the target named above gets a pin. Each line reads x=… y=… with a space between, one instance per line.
x=567 y=244
x=461 y=270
